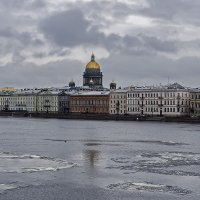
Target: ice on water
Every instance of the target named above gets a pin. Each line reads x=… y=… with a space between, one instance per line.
x=151 y=187
x=158 y=162
x=4 y=187
x=11 y=163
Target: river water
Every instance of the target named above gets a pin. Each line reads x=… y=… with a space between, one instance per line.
x=74 y=159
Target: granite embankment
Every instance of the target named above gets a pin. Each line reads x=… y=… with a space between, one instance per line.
x=92 y=116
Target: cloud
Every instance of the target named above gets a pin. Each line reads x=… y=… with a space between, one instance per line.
x=136 y=41
x=31 y=75
x=69 y=28
x=150 y=70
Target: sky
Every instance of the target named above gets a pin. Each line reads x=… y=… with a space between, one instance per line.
x=47 y=43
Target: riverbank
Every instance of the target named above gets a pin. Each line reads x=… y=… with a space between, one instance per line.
x=91 y=116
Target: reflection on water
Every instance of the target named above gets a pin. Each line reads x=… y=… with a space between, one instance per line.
x=91 y=157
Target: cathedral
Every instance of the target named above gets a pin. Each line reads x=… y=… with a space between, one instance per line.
x=92 y=75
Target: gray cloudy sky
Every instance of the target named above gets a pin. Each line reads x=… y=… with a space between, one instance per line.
x=136 y=42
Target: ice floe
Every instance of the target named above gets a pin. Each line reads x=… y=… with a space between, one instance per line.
x=12 y=163
x=158 y=162
x=4 y=187
x=150 y=187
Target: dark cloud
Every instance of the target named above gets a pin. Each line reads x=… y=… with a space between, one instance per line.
x=150 y=70
x=22 y=4
x=37 y=4
x=137 y=54
x=179 y=11
x=159 y=45
x=9 y=33
x=51 y=74
x=10 y=4
x=68 y=28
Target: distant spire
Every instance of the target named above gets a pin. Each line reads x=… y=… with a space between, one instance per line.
x=92 y=57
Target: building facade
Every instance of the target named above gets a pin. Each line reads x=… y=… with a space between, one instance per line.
x=21 y=100
x=5 y=101
x=195 y=102
x=118 y=102
x=158 y=101
x=63 y=102
x=47 y=101
x=90 y=102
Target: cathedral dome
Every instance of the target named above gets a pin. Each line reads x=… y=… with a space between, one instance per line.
x=93 y=64
x=71 y=83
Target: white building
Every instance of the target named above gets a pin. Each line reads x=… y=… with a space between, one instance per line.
x=118 y=102
x=4 y=101
x=23 y=100
x=20 y=100
x=34 y=100
x=172 y=100
x=47 y=101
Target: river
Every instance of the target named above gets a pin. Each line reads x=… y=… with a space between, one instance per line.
x=80 y=159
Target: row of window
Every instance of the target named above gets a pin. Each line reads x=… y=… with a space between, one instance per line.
x=17 y=98
x=114 y=106
x=196 y=96
x=151 y=95
x=195 y=105
x=117 y=112
x=170 y=102
x=89 y=102
x=89 y=110
x=118 y=96
x=118 y=101
x=152 y=110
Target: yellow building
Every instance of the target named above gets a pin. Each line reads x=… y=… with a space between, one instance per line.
x=8 y=89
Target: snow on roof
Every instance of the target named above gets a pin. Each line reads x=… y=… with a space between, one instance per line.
x=91 y=93
x=119 y=91
x=26 y=92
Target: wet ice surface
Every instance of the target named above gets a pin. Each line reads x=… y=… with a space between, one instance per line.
x=4 y=187
x=157 y=160
x=30 y=163
x=12 y=163
x=131 y=186
x=161 y=163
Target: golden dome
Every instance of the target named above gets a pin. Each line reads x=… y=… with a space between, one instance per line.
x=92 y=64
